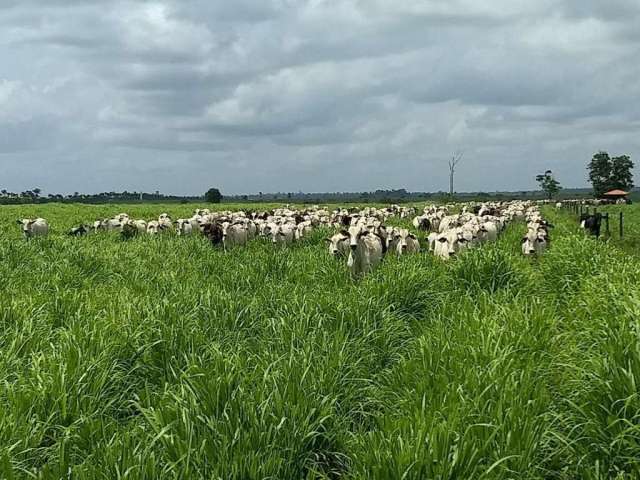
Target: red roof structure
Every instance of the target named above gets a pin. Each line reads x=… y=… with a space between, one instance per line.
x=616 y=193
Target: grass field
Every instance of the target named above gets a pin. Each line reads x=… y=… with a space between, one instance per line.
x=165 y=358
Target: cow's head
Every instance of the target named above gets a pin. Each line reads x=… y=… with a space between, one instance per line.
x=26 y=225
x=153 y=228
x=340 y=238
x=356 y=234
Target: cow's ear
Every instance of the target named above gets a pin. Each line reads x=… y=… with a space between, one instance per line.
x=19 y=222
x=328 y=240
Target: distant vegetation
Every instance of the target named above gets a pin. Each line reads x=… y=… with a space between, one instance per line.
x=377 y=196
x=35 y=196
x=606 y=173
x=548 y=184
x=213 y=195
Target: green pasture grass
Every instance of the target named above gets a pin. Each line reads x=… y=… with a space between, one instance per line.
x=167 y=358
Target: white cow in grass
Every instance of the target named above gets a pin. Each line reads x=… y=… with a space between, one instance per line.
x=449 y=243
x=402 y=242
x=234 y=234
x=34 y=228
x=284 y=234
x=366 y=250
x=534 y=243
x=139 y=225
x=184 y=227
x=339 y=244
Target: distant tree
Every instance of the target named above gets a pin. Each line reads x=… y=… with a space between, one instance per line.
x=606 y=173
x=213 y=195
x=453 y=163
x=36 y=192
x=621 y=175
x=600 y=173
x=548 y=184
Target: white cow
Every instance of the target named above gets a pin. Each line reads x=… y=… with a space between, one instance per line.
x=108 y=224
x=366 y=250
x=164 y=220
x=140 y=225
x=303 y=229
x=184 y=227
x=154 y=227
x=234 y=234
x=284 y=234
x=339 y=244
x=488 y=232
x=534 y=242
x=402 y=242
x=34 y=228
x=123 y=218
x=448 y=244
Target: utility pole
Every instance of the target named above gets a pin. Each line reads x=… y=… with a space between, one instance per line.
x=455 y=159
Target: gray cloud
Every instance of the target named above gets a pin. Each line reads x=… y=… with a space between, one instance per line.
x=267 y=95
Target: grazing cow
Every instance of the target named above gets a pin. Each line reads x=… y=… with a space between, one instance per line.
x=488 y=232
x=303 y=229
x=234 y=234
x=184 y=227
x=78 y=231
x=214 y=232
x=431 y=240
x=448 y=222
x=34 y=228
x=140 y=225
x=591 y=223
x=112 y=225
x=122 y=218
x=558 y=205
x=339 y=244
x=366 y=250
x=283 y=234
x=108 y=224
x=422 y=223
x=449 y=244
x=154 y=227
x=402 y=242
x=130 y=230
x=534 y=243
x=164 y=220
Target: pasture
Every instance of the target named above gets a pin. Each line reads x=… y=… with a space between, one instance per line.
x=163 y=357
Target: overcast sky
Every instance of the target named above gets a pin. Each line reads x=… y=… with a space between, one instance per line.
x=313 y=95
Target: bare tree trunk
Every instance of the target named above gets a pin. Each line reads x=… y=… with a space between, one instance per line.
x=455 y=159
x=451 y=172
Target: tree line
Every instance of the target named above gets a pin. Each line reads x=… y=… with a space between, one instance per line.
x=606 y=173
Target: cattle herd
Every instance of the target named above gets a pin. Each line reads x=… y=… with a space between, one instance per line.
x=361 y=236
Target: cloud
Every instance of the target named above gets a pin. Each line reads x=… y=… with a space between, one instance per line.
x=267 y=95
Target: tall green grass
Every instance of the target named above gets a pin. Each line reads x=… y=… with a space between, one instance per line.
x=167 y=358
